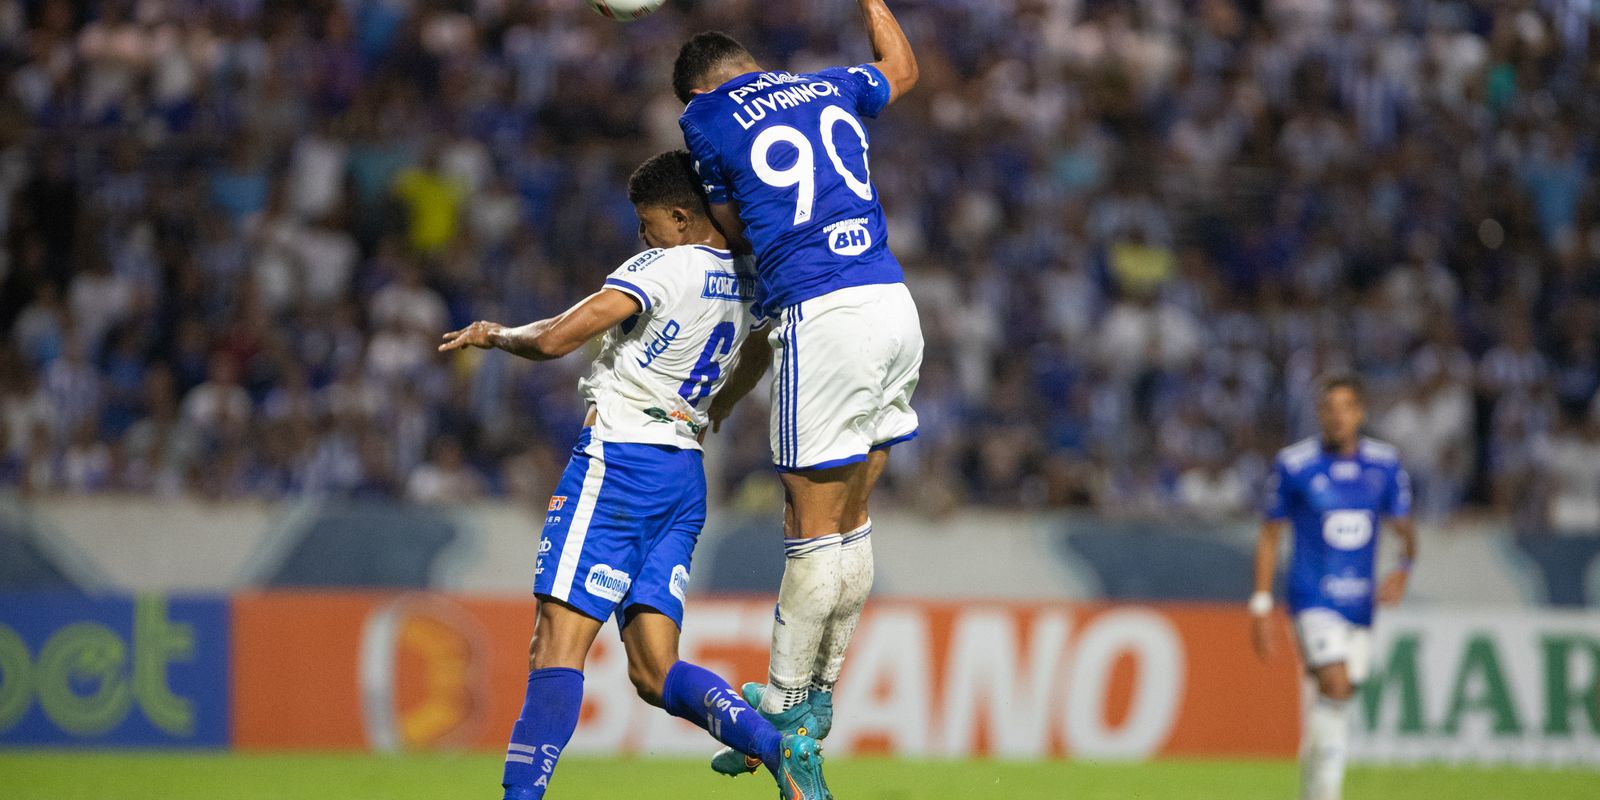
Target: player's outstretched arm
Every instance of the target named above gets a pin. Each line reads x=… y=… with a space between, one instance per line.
x=755 y=356
x=1261 y=597
x=890 y=48
x=548 y=338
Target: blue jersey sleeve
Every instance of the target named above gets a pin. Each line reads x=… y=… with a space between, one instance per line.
x=1397 y=500
x=706 y=163
x=865 y=87
x=1276 y=505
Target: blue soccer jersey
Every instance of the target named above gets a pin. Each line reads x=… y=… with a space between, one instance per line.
x=1335 y=504
x=792 y=152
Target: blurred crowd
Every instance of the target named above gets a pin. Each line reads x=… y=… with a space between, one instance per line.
x=1136 y=229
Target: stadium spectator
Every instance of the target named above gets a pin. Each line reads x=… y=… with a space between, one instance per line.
x=446 y=477
x=1139 y=229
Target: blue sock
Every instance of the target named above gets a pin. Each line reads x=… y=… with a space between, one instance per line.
x=698 y=695
x=549 y=716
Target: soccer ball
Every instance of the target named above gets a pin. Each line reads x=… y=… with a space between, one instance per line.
x=625 y=10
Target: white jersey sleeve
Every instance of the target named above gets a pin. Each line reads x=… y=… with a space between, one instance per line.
x=653 y=288
x=657 y=371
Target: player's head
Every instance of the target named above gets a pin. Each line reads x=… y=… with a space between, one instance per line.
x=1341 y=408
x=666 y=195
x=707 y=61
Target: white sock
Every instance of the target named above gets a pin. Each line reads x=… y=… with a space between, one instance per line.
x=809 y=591
x=1327 y=742
x=855 y=583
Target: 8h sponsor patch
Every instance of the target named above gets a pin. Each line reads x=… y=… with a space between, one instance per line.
x=849 y=237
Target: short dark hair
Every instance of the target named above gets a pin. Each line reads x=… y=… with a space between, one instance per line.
x=667 y=180
x=699 y=57
x=1342 y=379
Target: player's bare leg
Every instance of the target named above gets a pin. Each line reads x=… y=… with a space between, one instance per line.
x=693 y=693
x=651 y=641
x=561 y=640
x=1322 y=759
x=562 y=637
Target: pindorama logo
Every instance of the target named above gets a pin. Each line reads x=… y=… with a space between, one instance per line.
x=607 y=583
x=679 y=585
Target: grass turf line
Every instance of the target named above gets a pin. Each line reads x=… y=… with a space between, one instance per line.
x=57 y=775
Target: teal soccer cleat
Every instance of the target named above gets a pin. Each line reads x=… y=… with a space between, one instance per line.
x=800 y=777
x=821 y=712
x=733 y=763
x=813 y=719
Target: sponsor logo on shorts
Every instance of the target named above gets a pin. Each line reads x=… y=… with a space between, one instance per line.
x=605 y=582
x=544 y=551
x=729 y=286
x=557 y=501
x=848 y=237
x=679 y=585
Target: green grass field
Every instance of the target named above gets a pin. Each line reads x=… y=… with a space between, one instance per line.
x=58 y=776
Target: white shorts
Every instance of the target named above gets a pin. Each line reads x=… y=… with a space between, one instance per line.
x=844 y=367
x=1326 y=637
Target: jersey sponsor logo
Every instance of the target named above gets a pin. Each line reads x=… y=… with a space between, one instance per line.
x=1345 y=471
x=607 y=583
x=643 y=260
x=1346 y=588
x=1347 y=530
x=659 y=345
x=679 y=585
x=848 y=237
x=557 y=501
x=729 y=286
x=662 y=415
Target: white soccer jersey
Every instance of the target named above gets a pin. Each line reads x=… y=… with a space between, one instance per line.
x=657 y=371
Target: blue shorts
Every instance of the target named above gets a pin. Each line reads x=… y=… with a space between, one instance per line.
x=621 y=529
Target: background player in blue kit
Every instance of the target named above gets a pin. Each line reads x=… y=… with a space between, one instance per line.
x=629 y=508
x=1334 y=491
x=783 y=159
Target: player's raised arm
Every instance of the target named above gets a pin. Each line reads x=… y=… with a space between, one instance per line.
x=549 y=338
x=890 y=48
